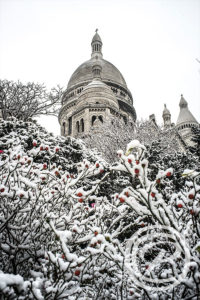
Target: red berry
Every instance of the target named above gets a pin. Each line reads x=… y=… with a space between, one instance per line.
x=96 y=232
x=80 y=200
x=72 y=176
x=127 y=194
x=63 y=256
x=56 y=173
x=142 y=225
x=21 y=195
x=117 y=196
x=79 y=194
x=137 y=162
x=97 y=165
x=68 y=176
x=158 y=181
x=192 y=212
x=52 y=192
x=101 y=171
x=180 y=205
x=74 y=230
x=47 y=148
x=1 y=151
x=41 y=148
x=131 y=293
x=153 y=194
x=129 y=161
x=44 y=166
x=34 y=144
x=43 y=178
x=86 y=166
x=137 y=171
x=168 y=174
x=121 y=200
x=191 y=196
x=18 y=156
x=147 y=267
x=77 y=272
x=2 y=190
x=57 y=149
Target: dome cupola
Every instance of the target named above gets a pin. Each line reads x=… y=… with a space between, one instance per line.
x=96 y=45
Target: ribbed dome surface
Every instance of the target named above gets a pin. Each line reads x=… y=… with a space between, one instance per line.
x=84 y=73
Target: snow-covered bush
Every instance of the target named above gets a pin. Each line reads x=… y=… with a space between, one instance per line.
x=64 y=227
x=114 y=134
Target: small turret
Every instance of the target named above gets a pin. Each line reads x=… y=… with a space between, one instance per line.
x=166 y=117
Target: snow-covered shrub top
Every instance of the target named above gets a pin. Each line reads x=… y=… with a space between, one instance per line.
x=64 y=228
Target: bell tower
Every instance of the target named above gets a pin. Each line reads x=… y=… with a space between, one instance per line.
x=166 y=117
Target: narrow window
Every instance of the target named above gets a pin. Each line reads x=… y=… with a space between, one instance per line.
x=77 y=126
x=93 y=119
x=64 y=128
x=82 y=125
x=101 y=119
x=70 y=125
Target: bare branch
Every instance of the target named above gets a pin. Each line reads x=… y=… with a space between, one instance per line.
x=25 y=101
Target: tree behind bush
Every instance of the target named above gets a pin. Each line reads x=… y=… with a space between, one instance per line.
x=25 y=101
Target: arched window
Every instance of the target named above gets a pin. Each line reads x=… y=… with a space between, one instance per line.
x=77 y=126
x=70 y=125
x=101 y=119
x=64 y=128
x=93 y=119
x=125 y=119
x=82 y=125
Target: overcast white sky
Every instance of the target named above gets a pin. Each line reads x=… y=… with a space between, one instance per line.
x=154 y=44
